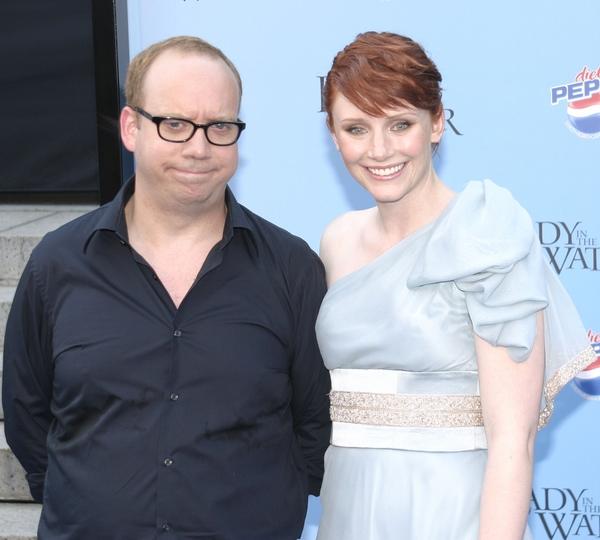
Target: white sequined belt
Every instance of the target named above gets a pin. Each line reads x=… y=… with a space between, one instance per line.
x=406 y=410
x=373 y=408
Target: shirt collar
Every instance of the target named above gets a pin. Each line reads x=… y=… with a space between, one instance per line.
x=113 y=217
x=237 y=214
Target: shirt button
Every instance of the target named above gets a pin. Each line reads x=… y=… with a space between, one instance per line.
x=174 y=396
x=165 y=527
x=168 y=462
x=177 y=333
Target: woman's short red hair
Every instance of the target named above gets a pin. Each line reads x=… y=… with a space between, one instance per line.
x=383 y=70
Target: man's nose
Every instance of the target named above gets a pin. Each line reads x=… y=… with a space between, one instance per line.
x=198 y=145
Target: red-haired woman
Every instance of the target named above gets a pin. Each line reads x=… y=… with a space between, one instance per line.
x=440 y=326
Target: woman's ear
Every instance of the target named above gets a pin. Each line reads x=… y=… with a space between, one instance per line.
x=335 y=141
x=438 y=123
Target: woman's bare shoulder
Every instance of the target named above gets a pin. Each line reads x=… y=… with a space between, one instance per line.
x=342 y=238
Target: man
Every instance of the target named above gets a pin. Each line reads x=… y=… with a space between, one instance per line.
x=162 y=377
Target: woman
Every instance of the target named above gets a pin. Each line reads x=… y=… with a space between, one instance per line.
x=439 y=327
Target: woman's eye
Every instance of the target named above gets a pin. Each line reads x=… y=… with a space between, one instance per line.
x=356 y=130
x=400 y=126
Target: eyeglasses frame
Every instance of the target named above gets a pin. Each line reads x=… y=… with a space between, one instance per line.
x=204 y=127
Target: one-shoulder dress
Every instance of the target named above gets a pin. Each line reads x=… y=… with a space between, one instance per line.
x=408 y=447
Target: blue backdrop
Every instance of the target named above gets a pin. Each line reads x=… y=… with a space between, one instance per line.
x=522 y=92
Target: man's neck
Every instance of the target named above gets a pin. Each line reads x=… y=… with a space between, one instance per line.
x=152 y=223
x=174 y=242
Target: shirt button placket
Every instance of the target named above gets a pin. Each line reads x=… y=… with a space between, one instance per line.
x=174 y=396
x=167 y=462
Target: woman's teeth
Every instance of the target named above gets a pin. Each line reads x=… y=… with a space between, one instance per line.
x=387 y=171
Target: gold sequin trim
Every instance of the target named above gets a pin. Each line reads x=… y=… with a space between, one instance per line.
x=434 y=410
x=564 y=374
x=406 y=410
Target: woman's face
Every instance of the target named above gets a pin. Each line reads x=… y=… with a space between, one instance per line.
x=389 y=156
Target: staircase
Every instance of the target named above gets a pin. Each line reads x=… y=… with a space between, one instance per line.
x=21 y=228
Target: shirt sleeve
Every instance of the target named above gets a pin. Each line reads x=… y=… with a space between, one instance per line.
x=310 y=379
x=27 y=380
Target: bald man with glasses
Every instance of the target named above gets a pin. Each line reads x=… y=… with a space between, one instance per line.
x=162 y=377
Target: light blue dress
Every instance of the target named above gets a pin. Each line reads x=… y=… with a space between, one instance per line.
x=408 y=446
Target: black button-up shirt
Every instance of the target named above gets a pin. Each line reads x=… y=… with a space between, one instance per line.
x=136 y=420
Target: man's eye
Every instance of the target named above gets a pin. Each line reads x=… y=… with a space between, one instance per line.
x=174 y=125
x=222 y=126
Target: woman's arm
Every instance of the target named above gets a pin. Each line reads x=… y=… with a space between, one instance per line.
x=510 y=398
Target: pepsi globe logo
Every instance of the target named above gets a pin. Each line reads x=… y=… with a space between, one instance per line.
x=584 y=115
x=587 y=383
x=583 y=103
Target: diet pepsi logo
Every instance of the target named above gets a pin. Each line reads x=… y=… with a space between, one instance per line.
x=587 y=382
x=583 y=103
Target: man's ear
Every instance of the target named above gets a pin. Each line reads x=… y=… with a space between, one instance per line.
x=128 y=122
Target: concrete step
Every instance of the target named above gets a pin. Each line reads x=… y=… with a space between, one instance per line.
x=6 y=297
x=19 y=521
x=13 y=486
x=1 y=366
x=22 y=227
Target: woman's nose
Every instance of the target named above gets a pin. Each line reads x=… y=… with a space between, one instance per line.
x=380 y=147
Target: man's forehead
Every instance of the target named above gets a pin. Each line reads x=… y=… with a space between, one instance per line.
x=187 y=63
x=173 y=66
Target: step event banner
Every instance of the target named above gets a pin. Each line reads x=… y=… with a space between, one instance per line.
x=522 y=103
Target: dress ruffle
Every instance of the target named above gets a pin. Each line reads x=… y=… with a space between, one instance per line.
x=486 y=245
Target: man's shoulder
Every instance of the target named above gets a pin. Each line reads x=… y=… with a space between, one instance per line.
x=298 y=266
x=275 y=238
x=70 y=237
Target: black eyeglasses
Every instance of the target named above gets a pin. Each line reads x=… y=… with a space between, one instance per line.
x=180 y=130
